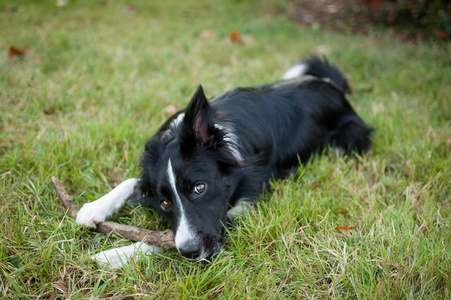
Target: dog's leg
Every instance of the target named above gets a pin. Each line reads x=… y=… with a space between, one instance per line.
x=119 y=257
x=97 y=211
x=240 y=206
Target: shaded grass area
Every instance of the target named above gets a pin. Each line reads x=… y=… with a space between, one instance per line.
x=94 y=87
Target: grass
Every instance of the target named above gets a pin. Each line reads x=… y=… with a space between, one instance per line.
x=93 y=88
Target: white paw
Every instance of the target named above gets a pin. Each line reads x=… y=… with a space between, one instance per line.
x=118 y=257
x=92 y=213
x=99 y=210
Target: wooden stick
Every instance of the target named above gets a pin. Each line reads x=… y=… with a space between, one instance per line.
x=66 y=200
x=159 y=238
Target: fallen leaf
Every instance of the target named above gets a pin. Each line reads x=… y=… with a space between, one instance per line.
x=345 y=228
x=51 y=110
x=170 y=110
x=14 y=51
x=61 y=286
x=235 y=36
x=441 y=34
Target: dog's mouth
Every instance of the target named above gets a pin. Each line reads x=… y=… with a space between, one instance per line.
x=210 y=246
x=212 y=253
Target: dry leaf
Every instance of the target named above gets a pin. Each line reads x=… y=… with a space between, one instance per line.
x=170 y=110
x=448 y=143
x=61 y=286
x=13 y=51
x=235 y=36
x=51 y=110
x=441 y=34
x=345 y=228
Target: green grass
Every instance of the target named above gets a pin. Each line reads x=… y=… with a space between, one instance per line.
x=94 y=87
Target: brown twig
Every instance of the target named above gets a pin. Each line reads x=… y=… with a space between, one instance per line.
x=66 y=200
x=159 y=238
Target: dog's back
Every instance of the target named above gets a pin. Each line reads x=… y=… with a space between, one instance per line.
x=350 y=133
x=279 y=124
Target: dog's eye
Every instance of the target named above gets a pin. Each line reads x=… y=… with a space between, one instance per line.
x=165 y=205
x=200 y=187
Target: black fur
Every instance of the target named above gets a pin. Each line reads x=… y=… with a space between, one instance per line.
x=240 y=140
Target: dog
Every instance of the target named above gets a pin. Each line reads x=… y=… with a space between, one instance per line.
x=210 y=161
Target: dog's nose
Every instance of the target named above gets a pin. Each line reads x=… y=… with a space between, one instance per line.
x=190 y=249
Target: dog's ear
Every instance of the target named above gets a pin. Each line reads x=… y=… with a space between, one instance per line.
x=200 y=130
x=199 y=120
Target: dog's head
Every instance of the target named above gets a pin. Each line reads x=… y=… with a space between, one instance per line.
x=188 y=175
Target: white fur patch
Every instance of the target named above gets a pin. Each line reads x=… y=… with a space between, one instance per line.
x=104 y=207
x=119 y=257
x=176 y=122
x=296 y=70
x=232 y=141
x=241 y=205
x=184 y=232
x=173 y=126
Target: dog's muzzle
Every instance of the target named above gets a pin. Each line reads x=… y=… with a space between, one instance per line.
x=204 y=247
x=190 y=249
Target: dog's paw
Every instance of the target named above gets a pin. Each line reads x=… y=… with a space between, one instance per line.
x=119 y=257
x=104 y=207
x=92 y=213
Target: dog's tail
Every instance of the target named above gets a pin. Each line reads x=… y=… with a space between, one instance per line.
x=318 y=67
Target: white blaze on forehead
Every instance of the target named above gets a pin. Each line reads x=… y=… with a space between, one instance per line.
x=184 y=233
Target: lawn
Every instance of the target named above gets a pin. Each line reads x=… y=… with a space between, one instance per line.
x=93 y=87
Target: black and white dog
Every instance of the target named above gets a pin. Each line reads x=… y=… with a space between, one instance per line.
x=211 y=160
